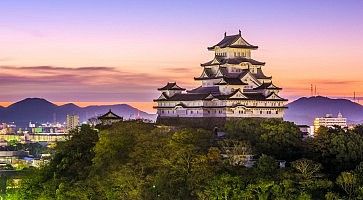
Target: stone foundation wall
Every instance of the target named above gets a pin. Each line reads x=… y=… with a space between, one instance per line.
x=208 y=123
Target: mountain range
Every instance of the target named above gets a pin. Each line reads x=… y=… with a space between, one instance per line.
x=305 y=109
x=42 y=111
x=301 y=111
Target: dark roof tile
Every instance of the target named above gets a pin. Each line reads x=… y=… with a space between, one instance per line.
x=109 y=115
x=227 y=41
x=236 y=61
x=171 y=86
x=261 y=75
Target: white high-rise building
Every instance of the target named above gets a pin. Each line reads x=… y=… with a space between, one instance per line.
x=72 y=122
x=232 y=85
x=330 y=121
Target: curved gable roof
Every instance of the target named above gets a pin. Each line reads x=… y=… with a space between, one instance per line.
x=228 y=41
x=171 y=86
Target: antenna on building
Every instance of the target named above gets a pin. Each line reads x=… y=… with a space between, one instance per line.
x=315 y=90
x=225 y=34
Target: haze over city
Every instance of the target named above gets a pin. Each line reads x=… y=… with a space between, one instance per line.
x=96 y=52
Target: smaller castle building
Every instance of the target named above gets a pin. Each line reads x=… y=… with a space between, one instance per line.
x=109 y=118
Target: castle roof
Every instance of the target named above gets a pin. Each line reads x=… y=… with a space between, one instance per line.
x=202 y=93
x=221 y=60
x=187 y=97
x=205 y=90
x=223 y=73
x=231 y=81
x=230 y=41
x=171 y=86
x=109 y=115
x=269 y=85
x=261 y=75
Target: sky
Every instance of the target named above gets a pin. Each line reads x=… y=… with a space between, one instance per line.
x=102 y=52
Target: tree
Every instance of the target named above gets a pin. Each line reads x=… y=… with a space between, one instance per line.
x=260 y=191
x=358 y=129
x=273 y=137
x=223 y=186
x=332 y=196
x=123 y=183
x=286 y=189
x=116 y=143
x=70 y=164
x=188 y=162
x=336 y=149
x=348 y=182
x=244 y=129
x=306 y=168
x=237 y=152
x=280 y=139
x=359 y=173
x=266 y=167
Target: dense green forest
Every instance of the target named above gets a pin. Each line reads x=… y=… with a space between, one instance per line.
x=135 y=160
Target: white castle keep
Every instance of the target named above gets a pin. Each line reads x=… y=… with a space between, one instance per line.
x=232 y=85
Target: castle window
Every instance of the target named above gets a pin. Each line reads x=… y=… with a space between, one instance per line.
x=191 y=112
x=162 y=112
x=261 y=112
x=277 y=112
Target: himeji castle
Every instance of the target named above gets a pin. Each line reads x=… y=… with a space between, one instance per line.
x=232 y=85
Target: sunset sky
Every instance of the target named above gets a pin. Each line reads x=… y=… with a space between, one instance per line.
x=121 y=51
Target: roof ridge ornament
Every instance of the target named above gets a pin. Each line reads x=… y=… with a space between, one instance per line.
x=225 y=34
x=239 y=32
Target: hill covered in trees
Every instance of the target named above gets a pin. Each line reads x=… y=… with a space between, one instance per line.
x=134 y=160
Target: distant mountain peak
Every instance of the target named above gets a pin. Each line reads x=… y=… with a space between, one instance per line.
x=69 y=105
x=305 y=109
x=41 y=110
x=32 y=101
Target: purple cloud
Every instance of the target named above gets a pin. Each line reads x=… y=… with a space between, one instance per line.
x=80 y=84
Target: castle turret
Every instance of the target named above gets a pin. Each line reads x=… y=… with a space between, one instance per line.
x=171 y=88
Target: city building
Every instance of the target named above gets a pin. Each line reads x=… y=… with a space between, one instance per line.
x=330 y=121
x=109 y=118
x=7 y=128
x=72 y=122
x=307 y=131
x=232 y=85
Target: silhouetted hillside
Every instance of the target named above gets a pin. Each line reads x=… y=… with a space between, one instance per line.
x=305 y=109
x=41 y=110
